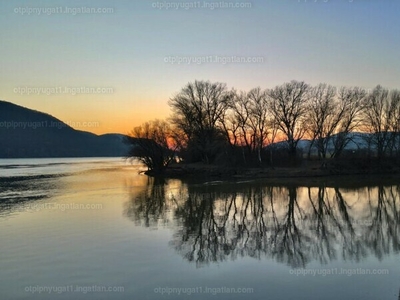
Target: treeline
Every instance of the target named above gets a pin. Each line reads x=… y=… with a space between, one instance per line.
x=214 y=125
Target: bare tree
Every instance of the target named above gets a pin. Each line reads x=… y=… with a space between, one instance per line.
x=153 y=145
x=395 y=122
x=259 y=120
x=350 y=101
x=239 y=106
x=197 y=109
x=380 y=119
x=288 y=107
x=323 y=117
x=271 y=136
x=231 y=127
x=249 y=115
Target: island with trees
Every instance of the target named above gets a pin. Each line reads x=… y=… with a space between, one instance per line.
x=294 y=129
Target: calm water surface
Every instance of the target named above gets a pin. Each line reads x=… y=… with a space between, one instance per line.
x=95 y=229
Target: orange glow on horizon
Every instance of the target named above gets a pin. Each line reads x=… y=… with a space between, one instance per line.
x=97 y=116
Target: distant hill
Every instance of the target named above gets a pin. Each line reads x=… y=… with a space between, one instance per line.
x=26 y=133
x=357 y=141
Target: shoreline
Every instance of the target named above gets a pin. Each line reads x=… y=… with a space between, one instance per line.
x=279 y=176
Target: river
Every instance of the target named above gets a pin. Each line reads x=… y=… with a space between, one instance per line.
x=96 y=229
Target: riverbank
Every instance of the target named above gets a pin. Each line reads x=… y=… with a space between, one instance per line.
x=310 y=173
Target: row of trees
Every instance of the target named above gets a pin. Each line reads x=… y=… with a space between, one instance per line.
x=210 y=123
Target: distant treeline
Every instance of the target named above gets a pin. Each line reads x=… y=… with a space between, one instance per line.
x=212 y=124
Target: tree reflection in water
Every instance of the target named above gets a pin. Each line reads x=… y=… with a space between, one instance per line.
x=150 y=207
x=294 y=225
x=383 y=234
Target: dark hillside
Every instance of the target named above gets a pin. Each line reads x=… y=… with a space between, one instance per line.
x=29 y=133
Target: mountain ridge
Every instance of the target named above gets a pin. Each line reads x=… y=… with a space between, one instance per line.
x=28 y=133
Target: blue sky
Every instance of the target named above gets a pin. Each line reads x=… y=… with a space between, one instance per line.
x=341 y=42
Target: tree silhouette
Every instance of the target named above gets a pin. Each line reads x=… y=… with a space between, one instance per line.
x=214 y=125
x=288 y=107
x=197 y=111
x=380 y=118
x=152 y=143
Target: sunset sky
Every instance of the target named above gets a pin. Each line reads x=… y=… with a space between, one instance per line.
x=123 y=54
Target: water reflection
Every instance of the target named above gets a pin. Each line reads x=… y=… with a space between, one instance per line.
x=150 y=207
x=25 y=193
x=293 y=225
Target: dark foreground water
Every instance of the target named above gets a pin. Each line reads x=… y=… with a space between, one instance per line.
x=95 y=229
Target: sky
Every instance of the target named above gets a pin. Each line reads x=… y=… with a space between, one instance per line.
x=108 y=66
